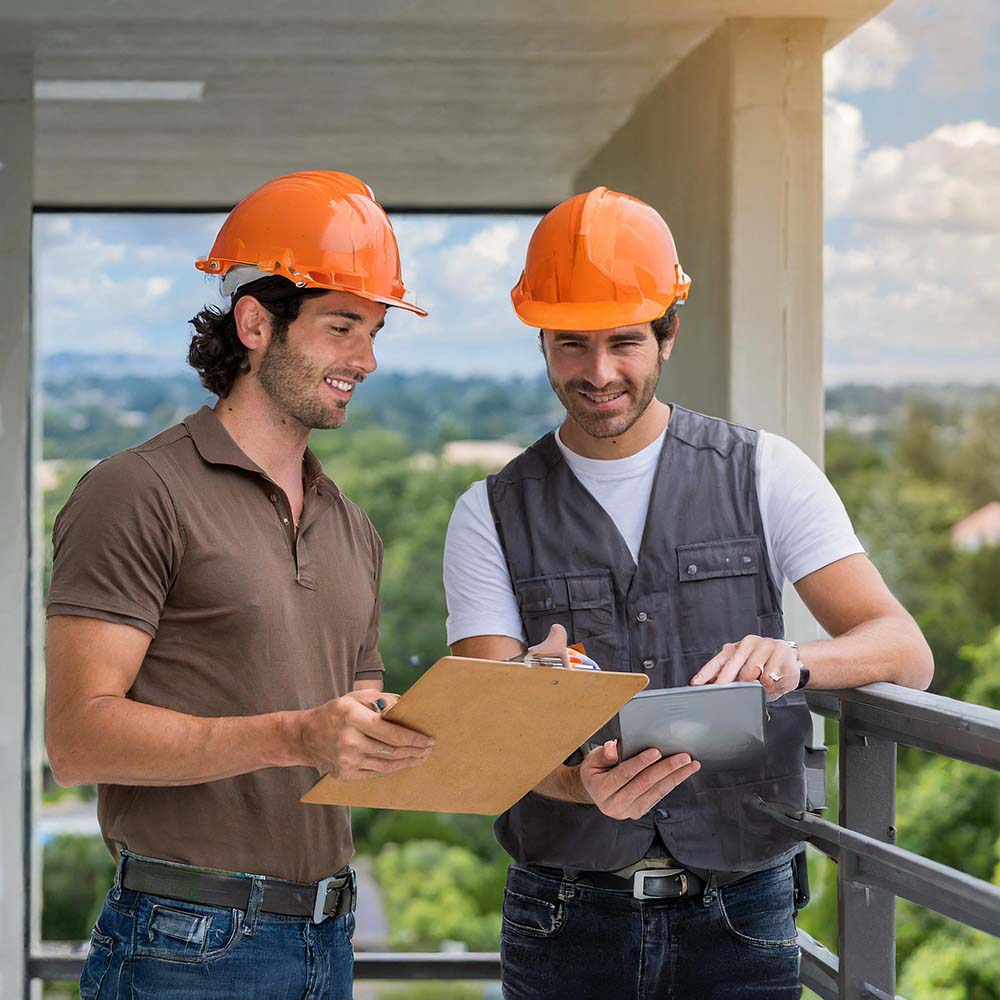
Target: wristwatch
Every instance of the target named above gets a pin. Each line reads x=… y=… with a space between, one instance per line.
x=803 y=669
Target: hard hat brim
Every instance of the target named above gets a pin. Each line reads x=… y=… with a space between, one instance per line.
x=215 y=266
x=584 y=316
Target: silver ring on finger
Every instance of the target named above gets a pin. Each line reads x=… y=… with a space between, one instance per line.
x=775 y=677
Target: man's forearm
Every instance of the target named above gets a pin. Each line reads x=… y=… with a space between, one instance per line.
x=890 y=648
x=564 y=784
x=123 y=742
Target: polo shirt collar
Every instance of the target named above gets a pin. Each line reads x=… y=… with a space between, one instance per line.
x=216 y=447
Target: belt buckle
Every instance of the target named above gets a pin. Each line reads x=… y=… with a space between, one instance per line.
x=319 y=913
x=319 y=906
x=639 y=880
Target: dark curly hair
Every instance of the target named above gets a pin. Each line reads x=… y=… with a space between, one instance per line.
x=665 y=327
x=216 y=352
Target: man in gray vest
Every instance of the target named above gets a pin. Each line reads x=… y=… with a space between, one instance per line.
x=655 y=535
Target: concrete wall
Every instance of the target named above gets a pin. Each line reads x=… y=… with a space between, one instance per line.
x=16 y=162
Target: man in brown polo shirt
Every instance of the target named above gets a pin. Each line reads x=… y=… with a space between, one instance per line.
x=214 y=622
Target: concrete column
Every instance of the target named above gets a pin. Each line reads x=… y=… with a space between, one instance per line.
x=728 y=148
x=16 y=589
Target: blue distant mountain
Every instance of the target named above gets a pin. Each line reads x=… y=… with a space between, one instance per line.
x=61 y=365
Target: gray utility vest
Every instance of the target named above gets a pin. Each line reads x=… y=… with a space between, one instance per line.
x=703 y=579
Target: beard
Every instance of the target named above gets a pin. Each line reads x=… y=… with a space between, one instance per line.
x=613 y=424
x=295 y=386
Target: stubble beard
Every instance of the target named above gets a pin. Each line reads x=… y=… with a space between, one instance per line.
x=613 y=425
x=293 y=383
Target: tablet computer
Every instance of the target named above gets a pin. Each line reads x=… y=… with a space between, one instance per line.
x=719 y=725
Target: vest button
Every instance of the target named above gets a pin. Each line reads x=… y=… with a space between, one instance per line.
x=641 y=616
x=692 y=569
x=648 y=664
x=747 y=559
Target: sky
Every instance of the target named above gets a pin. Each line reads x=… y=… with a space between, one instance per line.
x=911 y=255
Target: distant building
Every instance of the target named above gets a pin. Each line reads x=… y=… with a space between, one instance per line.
x=979 y=530
x=493 y=455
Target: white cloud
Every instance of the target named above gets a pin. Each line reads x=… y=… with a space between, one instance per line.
x=413 y=233
x=918 y=280
x=950 y=180
x=482 y=269
x=954 y=41
x=869 y=59
x=843 y=144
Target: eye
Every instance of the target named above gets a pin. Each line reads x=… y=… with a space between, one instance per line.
x=339 y=329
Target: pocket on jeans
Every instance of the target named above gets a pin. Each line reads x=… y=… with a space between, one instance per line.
x=183 y=932
x=759 y=909
x=97 y=964
x=530 y=916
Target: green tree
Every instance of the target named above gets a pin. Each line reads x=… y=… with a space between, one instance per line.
x=435 y=892
x=78 y=871
x=975 y=464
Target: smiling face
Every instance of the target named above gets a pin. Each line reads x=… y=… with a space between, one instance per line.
x=310 y=373
x=606 y=379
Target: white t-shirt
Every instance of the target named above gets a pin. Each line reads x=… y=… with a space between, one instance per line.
x=805 y=526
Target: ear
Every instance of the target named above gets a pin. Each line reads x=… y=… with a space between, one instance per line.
x=253 y=323
x=668 y=344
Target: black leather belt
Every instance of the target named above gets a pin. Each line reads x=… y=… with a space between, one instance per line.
x=646 y=883
x=329 y=897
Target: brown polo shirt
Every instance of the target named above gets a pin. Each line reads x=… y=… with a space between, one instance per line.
x=187 y=539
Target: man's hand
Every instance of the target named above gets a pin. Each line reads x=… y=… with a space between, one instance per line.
x=348 y=738
x=630 y=789
x=554 y=644
x=771 y=661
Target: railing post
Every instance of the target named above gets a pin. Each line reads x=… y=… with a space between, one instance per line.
x=866 y=916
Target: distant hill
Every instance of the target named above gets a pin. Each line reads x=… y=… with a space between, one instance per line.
x=93 y=410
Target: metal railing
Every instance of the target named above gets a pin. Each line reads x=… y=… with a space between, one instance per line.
x=871 y=870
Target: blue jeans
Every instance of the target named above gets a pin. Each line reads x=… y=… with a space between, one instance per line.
x=149 y=946
x=561 y=939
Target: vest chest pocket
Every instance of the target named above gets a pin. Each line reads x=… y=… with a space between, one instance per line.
x=582 y=602
x=718 y=593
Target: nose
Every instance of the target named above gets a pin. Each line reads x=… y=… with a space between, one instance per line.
x=365 y=355
x=600 y=372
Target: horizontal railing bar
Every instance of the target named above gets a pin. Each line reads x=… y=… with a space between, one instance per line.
x=824 y=703
x=819 y=967
x=876 y=994
x=427 y=965
x=63 y=962
x=945 y=726
x=951 y=893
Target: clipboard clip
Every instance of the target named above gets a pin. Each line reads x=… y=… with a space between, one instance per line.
x=577 y=661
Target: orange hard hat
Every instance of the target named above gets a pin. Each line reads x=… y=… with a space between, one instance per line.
x=319 y=229
x=598 y=261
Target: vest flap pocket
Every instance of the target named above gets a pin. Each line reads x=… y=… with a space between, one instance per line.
x=725 y=557
x=537 y=595
x=564 y=592
x=589 y=590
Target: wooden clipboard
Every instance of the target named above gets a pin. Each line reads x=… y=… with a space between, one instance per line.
x=498 y=728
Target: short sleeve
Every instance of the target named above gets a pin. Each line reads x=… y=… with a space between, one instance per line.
x=477 y=583
x=117 y=546
x=805 y=522
x=370 y=666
